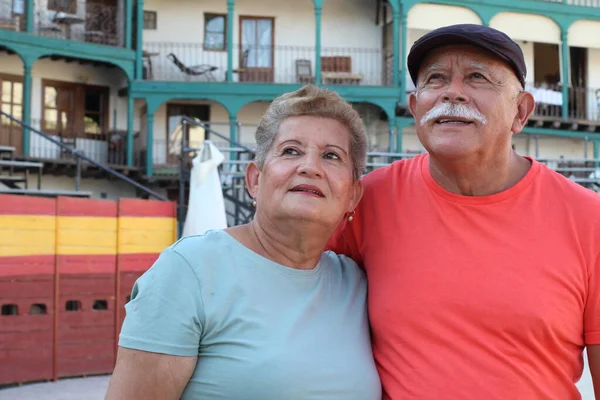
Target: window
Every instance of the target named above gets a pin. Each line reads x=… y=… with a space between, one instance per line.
x=150 y=20
x=38 y=309
x=215 y=34
x=100 y=305
x=12 y=97
x=73 y=305
x=10 y=309
x=67 y=6
x=75 y=110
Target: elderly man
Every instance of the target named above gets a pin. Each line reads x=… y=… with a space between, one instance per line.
x=483 y=265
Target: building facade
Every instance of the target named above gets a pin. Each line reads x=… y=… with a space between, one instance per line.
x=114 y=77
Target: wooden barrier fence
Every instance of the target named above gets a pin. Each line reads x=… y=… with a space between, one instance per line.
x=67 y=267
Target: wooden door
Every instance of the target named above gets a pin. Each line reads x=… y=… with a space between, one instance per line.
x=59 y=109
x=257 y=36
x=11 y=102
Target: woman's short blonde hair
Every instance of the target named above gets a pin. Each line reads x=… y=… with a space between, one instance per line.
x=317 y=102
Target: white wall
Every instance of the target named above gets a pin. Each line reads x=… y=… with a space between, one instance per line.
x=535 y=28
x=431 y=16
x=348 y=29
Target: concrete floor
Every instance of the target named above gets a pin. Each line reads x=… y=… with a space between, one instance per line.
x=94 y=388
x=91 y=388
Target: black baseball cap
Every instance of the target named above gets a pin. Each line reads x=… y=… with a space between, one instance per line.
x=481 y=36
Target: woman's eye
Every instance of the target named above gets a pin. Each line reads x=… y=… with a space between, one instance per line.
x=290 y=151
x=332 y=156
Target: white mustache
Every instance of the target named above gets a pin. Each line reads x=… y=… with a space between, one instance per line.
x=457 y=110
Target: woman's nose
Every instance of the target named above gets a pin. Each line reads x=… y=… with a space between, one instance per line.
x=311 y=165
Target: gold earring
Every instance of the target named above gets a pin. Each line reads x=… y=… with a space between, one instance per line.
x=254 y=203
x=351 y=216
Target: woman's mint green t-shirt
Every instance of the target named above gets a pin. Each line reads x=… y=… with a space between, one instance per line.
x=261 y=331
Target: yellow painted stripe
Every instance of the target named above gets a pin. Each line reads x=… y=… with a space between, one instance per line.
x=144 y=235
x=30 y=235
x=27 y=235
x=86 y=235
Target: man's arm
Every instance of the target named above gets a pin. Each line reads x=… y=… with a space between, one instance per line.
x=150 y=376
x=593 y=352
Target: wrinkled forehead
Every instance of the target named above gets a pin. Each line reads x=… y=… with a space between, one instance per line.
x=464 y=57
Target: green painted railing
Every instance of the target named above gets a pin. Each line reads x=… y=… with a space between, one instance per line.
x=579 y=3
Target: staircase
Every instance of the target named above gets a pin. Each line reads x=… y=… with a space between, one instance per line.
x=15 y=176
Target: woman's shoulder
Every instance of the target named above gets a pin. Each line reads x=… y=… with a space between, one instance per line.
x=343 y=265
x=192 y=246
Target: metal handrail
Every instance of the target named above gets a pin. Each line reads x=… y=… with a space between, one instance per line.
x=192 y=121
x=80 y=156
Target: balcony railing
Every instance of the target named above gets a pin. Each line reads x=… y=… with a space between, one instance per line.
x=106 y=147
x=12 y=15
x=579 y=3
x=82 y=21
x=271 y=64
x=584 y=103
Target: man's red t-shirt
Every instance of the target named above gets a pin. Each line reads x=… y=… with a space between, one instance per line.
x=489 y=297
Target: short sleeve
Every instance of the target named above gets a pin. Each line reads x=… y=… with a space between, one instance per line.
x=592 y=308
x=165 y=314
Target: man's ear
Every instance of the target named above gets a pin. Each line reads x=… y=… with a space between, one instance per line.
x=412 y=104
x=525 y=107
x=252 y=175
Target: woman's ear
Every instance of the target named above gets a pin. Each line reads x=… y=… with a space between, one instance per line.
x=252 y=175
x=357 y=193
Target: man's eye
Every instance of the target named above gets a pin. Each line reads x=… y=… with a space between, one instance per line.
x=435 y=77
x=477 y=75
x=290 y=151
x=332 y=156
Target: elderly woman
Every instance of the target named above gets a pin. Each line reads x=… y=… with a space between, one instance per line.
x=260 y=311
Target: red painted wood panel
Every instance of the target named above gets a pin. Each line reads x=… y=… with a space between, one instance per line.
x=146 y=208
x=20 y=340
x=20 y=286
x=26 y=266
x=34 y=364
x=74 y=207
x=87 y=284
x=84 y=264
x=85 y=367
x=24 y=205
x=85 y=333
x=136 y=262
x=25 y=323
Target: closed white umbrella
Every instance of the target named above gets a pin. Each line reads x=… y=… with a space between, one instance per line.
x=206 y=206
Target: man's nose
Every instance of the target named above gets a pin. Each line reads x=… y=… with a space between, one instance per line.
x=455 y=92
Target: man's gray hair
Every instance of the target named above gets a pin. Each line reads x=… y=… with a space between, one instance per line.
x=312 y=101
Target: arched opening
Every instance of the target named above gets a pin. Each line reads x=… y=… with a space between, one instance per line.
x=539 y=38
x=584 y=49
x=77 y=102
x=376 y=124
x=167 y=129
